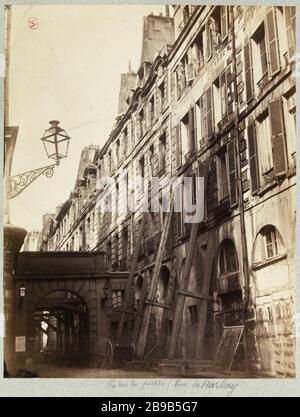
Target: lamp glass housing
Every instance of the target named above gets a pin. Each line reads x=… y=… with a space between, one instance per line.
x=56 y=142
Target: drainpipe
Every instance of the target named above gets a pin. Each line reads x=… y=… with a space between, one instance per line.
x=240 y=193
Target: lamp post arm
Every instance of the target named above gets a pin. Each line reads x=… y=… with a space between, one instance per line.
x=16 y=184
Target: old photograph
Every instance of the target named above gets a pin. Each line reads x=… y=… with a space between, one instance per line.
x=150 y=191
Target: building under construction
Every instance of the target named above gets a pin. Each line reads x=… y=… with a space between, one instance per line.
x=214 y=97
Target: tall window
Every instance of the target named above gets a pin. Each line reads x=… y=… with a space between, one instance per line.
x=271 y=245
x=228 y=258
x=188 y=134
x=216 y=29
x=203 y=121
x=163 y=284
x=290 y=116
x=222 y=176
x=117 y=298
x=140 y=125
x=110 y=167
x=151 y=112
x=193 y=313
x=125 y=243
x=260 y=55
x=220 y=98
x=151 y=161
x=162 y=154
x=184 y=134
x=142 y=175
x=116 y=249
x=264 y=145
x=274 y=152
x=161 y=97
x=138 y=290
x=108 y=254
x=118 y=152
x=290 y=19
x=125 y=141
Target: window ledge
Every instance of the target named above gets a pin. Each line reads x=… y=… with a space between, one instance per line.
x=267 y=188
x=269 y=261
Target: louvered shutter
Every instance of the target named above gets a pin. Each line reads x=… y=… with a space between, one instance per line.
x=189 y=72
x=203 y=117
x=232 y=172
x=253 y=158
x=248 y=71
x=224 y=95
x=166 y=92
x=208 y=41
x=290 y=20
x=274 y=63
x=195 y=133
x=278 y=137
x=209 y=112
x=224 y=22
x=191 y=130
x=178 y=145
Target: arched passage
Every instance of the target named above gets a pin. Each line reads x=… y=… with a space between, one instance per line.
x=61 y=326
x=58 y=318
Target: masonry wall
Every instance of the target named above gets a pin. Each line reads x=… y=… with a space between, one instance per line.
x=219 y=103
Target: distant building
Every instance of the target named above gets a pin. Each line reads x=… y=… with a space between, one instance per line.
x=33 y=241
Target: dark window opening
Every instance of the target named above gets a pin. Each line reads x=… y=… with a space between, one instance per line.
x=193 y=314
x=228 y=258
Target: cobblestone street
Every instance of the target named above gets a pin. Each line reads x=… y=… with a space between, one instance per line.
x=68 y=372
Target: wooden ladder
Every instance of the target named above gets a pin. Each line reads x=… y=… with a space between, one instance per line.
x=150 y=301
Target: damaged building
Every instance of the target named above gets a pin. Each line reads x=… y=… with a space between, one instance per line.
x=214 y=97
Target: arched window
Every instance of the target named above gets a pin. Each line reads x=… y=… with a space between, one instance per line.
x=163 y=283
x=268 y=245
x=228 y=262
x=138 y=289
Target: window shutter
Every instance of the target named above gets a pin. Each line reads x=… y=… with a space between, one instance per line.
x=189 y=72
x=166 y=92
x=191 y=130
x=224 y=95
x=195 y=128
x=248 y=71
x=209 y=112
x=232 y=172
x=290 y=20
x=224 y=22
x=203 y=117
x=160 y=161
x=278 y=137
x=178 y=145
x=274 y=64
x=253 y=158
x=208 y=41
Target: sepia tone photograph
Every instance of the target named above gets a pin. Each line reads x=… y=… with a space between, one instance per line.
x=149 y=191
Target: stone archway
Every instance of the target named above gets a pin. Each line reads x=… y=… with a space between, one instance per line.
x=61 y=326
x=56 y=302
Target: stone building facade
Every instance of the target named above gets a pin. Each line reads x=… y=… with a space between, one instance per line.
x=214 y=97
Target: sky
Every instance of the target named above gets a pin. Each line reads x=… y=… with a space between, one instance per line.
x=66 y=69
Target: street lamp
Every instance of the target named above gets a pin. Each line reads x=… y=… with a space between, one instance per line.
x=56 y=144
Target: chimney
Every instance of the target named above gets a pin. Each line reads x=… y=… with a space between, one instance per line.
x=167 y=10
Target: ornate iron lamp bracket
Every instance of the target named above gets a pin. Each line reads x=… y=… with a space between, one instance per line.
x=17 y=183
